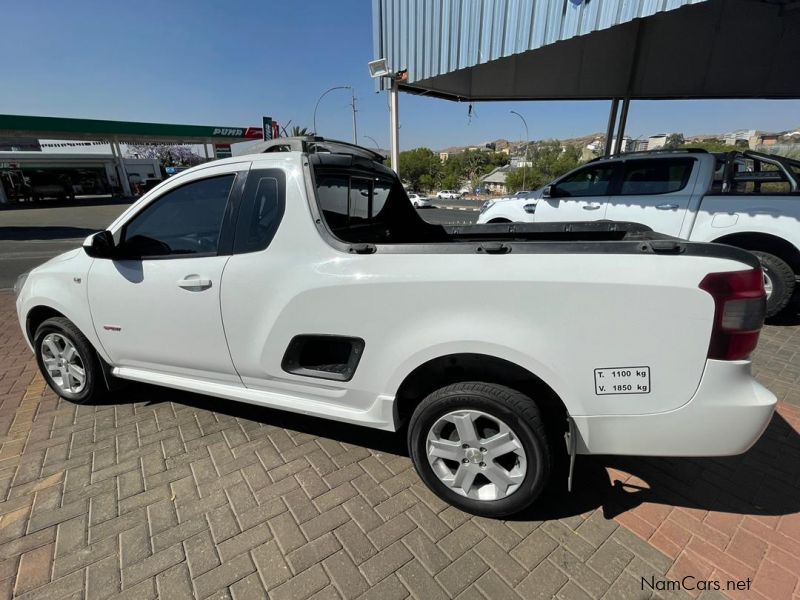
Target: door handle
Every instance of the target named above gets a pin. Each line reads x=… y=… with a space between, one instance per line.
x=194 y=283
x=591 y=206
x=667 y=206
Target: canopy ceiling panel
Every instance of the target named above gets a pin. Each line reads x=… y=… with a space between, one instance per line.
x=592 y=49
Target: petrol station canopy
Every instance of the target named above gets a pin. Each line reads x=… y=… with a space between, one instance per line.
x=591 y=49
x=126 y=132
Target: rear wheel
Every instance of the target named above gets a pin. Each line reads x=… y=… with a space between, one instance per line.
x=68 y=361
x=481 y=447
x=779 y=281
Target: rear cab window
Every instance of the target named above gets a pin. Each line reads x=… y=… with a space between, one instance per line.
x=364 y=203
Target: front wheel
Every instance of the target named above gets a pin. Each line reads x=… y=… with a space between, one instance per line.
x=481 y=447
x=67 y=361
x=779 y=282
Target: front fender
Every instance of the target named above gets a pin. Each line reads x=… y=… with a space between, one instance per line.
x=60 y=286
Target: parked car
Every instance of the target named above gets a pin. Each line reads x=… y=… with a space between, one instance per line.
x=419 y=201
x=448 y=195
x=291 y=279
x=745 y=199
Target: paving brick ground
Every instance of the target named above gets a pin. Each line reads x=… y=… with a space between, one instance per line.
x=158 y=495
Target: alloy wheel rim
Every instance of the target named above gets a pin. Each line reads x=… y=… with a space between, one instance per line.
x=476 y=455
x=63 y=363
x=767 y=284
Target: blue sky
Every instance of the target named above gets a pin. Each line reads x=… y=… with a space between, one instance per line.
x=229 y=63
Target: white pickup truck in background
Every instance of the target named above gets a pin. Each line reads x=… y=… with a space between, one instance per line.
x=744 y=199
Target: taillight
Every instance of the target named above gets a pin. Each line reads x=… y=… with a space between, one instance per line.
x=740 y=305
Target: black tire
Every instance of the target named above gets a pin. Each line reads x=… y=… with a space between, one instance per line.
x=782 y=278
x=499 y=221
x=515 y=410
x=94 y=385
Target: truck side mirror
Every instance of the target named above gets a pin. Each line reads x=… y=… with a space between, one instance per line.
x=547 y=192
x=100 y=245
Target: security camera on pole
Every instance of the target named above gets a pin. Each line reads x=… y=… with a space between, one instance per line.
x=380 y=69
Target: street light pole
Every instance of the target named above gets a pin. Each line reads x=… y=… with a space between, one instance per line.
x=527 y=143
x=352 y=105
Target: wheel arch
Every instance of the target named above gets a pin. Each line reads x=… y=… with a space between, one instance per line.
x=764 y=242
x=447 y=369
x=38 y=315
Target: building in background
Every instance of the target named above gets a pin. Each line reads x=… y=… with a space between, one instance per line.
x=494 y=182
x=654 y=142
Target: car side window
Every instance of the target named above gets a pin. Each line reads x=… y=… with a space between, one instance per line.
x=184 y=221
x=589 y=181
x=261 y=210
x=648 y=177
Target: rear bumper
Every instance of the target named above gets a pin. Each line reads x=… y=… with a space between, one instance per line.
x=728 y=413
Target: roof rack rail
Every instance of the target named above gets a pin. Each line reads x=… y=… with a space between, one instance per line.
x=312 y=144
x=655 y=151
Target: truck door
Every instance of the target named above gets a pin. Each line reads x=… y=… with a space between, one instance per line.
x=157 y=307
x=578 y=196
x=655 y=192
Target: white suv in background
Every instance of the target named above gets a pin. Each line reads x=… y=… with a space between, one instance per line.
x=517 y=208
x=448 y=195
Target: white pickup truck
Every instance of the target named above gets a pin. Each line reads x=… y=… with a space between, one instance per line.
x=291 y=279
x=748 y=199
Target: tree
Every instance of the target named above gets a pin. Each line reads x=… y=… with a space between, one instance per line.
x=709 y=145
x=167 y=154
x=549 y=160
x=469 y=166
x=420 y=167
x=298 y=131
x=674 y=140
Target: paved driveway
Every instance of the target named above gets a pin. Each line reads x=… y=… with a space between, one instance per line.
x=180 y=496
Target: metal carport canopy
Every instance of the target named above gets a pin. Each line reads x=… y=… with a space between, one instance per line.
x=591 y=49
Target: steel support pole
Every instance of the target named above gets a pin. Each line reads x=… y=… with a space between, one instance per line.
x=122 y=173
x=394 y=125
x=623 y=121
x=205 y=148
x=612 y=123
